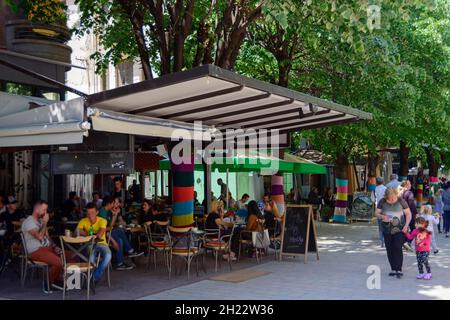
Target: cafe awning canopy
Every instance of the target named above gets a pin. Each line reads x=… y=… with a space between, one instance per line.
x=29 y=121
x=172 y=105
x=304 y=166
x=258 y=163
x=224 y=99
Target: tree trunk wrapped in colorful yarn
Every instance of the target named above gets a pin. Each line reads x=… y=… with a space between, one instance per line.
x=340 y=209
x=277 y=193
x=183 y=194
x=371 y=184
x=419 y=196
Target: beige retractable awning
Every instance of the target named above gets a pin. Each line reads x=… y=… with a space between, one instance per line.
x=46 y=123
x=224 y=99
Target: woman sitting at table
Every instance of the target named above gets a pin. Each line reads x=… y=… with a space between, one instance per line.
x=215 y=217
x=145 y=213
x=158 y=214
x=215 y=221
x=254 y=214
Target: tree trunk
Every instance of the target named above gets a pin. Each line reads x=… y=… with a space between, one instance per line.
x=155 y=7
x=284 y=68
x=341 y=166
x=433 y=165
x=372 y=164
x=419 y=185
x=404 y=156
x=137 y=22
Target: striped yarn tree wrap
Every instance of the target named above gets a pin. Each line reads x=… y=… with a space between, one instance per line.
x=340 y=209
x=183 y=193
x=371 y=184
x=277 y=193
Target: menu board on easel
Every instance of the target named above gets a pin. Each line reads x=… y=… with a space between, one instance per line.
x=299 y=233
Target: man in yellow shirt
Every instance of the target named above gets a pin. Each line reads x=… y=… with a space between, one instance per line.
x=96 y=226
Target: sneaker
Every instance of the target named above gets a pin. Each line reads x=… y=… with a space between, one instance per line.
x=427 y=276
x=420 y=276
x=392 y=274
x=399 y=275
x=124 y=266
x=46 y=289
x=436 y=251
x=135 y=254
x=446 y=235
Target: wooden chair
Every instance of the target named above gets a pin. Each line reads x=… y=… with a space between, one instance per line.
x=220 y=246
x=86 y=269
x=156 y=243
x=183 y=245
x=27 y=263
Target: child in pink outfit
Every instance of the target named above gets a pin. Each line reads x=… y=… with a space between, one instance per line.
x=422 y=241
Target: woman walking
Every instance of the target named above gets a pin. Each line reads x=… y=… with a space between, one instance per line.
x=446 y=201
x=396 y=216
x=438 y=206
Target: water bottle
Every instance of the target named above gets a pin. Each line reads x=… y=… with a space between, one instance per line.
x=91 y=231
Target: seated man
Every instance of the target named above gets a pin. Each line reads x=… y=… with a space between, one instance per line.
x=119 y=240
x=39 y=246
x=7 y=218
x=94 y=225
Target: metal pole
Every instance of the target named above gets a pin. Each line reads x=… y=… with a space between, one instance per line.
x=227 y=188
x=237 y=186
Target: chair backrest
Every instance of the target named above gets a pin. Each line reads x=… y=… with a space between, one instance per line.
x=212 y=233
x=160 y=226
x=181 y=237
x=228 y=237
x=24 y=247
x=76 y=241
x=148 y=231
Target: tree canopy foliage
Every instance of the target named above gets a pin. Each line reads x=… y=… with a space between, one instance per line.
x=390 y=58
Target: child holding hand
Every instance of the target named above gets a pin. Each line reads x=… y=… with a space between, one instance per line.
x=422 y=239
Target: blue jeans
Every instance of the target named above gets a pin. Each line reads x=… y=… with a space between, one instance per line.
x=446 y=221
x=105 y=258
x=124 y=245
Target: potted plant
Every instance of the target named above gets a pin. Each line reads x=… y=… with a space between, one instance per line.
x=326 y=213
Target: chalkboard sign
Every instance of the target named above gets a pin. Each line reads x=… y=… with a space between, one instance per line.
x=299 y=234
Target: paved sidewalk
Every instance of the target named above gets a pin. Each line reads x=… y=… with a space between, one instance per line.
x=346 y=251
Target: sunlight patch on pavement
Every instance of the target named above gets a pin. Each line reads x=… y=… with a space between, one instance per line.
x=436 y=292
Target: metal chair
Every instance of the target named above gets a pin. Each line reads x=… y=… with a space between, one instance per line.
x=158 y=243
x=109 y=269
x=28 y=263
x=183 y=245
x=86 y=269
x=249 y=242
x=221 y=245
x=275 y=237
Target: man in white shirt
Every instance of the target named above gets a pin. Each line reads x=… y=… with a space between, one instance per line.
x=377 y=195
x=394 y=183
